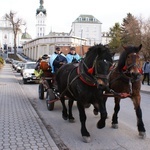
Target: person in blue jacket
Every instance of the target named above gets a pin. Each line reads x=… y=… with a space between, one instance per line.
x=72 y=56
x=57 y=59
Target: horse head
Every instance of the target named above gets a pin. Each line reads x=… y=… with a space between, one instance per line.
x=98 y=61
x=129 y=62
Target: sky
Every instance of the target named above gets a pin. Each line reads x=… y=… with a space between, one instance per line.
x=61 y=13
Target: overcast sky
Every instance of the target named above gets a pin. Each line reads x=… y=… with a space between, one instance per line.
x=61 y=13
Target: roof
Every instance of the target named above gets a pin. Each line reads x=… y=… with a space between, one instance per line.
x=26 y=36
x=87 y=19
x=41 y=8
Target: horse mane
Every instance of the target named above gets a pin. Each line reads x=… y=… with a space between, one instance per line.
x=101 y=50
x=123 y=56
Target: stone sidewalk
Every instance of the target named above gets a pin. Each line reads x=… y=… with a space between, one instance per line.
x=20 y=126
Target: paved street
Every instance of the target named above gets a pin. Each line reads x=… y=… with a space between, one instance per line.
x=20 y=126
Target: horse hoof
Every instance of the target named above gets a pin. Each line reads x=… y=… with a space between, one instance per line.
x=71 y=120
x=64 y=117
x=115 y=126
x=86 y=139
x=142 y=135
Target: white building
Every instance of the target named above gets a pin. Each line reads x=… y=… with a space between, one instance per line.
x=40 y=20
x=88 y=27
x=46 y=45
x=106 y=38
x=7 y=35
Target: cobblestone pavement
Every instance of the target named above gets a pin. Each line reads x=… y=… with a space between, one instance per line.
x=20 y=126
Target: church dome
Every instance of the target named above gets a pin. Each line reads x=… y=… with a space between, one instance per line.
x=26 y=36
x=41 y=8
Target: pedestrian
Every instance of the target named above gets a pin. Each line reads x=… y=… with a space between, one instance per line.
x=72 y=56
x=57 y=59
x=146 y=72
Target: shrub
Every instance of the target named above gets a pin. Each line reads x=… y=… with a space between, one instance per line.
x=1 y=60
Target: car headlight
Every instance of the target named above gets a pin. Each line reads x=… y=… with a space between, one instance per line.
x=27 y=74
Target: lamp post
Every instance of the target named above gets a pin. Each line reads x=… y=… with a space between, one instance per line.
x=81 y=43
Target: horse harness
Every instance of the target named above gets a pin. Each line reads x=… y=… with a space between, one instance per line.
x=124 y=74
x=88 y=79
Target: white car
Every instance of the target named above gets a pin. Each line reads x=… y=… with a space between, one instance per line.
x=19 y=66
x=28 y=72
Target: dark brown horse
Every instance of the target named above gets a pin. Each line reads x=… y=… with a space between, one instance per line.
x=126 y=78
x=85 y=84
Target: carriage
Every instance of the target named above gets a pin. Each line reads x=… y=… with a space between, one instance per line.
x=87 y=84
x=46 y=85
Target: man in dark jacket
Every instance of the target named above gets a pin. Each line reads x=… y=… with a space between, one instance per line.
x=57 y=60
x=72 y=56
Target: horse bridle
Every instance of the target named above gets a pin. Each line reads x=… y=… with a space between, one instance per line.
x=126 y=68
x=82 y=74
x=95 y=75
x=124 y=74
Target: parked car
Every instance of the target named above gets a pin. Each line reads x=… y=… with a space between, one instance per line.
x=19 y=66
x=8 y=60
x=28 y=72
x=14 y=63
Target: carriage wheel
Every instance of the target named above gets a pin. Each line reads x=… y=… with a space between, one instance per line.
x=50 y=96
x=41 y=91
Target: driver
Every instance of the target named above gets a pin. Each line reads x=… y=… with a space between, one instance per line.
x=57 y=60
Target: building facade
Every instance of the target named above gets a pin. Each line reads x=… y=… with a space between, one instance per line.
x=106 y=38
x=88 y=27
x=7 y=35
x=46 y=45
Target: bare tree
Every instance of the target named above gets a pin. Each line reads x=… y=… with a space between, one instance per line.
x=16 y=25
x=146 y=39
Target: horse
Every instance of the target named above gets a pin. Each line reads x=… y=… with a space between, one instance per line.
x=126 y=78
x=84 y=83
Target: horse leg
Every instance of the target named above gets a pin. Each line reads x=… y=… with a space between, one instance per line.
x=82 y=115
x=115 y=115
x=103 y=114
x=64 y=111
x=138 y=111
x=70 y=104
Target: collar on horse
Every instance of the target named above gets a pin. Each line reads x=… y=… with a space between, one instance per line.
x=87 y=77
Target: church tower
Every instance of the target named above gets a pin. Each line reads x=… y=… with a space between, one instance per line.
x=40 y=20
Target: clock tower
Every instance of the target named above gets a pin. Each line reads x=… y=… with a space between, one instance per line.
x=41 y=20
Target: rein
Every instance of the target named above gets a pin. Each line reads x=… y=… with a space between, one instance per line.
x=89 y=79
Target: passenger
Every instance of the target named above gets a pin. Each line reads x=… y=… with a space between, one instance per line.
x=72 y=56
x=44 y=63
x=57 y=60
x=38 y=64
x=43 y=68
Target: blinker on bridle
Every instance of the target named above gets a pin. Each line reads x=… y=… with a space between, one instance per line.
x=127 y=67
x=94 y=68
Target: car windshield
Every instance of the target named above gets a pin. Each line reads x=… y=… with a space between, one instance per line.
x=30 y=66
